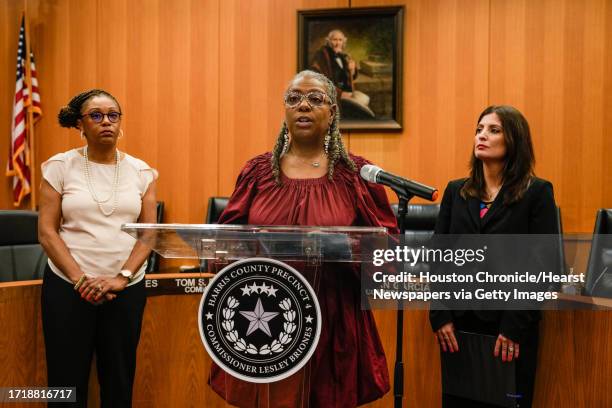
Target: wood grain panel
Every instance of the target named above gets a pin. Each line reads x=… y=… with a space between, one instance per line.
x=599 y=329
x=21 y=338
x=175 y=366
x=422 y=380
x=204 y=134
x=445 y=87
x=53 y=30
x=548 y=392
x=174 y=68
x=549 y=59
x=141 y=103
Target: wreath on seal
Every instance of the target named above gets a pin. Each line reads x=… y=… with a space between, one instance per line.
x=241 y=345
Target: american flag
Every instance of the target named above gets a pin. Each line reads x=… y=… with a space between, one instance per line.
x=27 y=99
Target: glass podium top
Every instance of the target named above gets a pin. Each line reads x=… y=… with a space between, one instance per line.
x=232 y=242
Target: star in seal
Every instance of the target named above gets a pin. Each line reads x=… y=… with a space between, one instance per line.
x=259 y=318
x=272 y=291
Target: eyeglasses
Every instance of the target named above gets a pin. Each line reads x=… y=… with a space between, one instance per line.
x=314 y=99
x=98 y=117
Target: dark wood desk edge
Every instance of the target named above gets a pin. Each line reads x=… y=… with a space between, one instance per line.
x=587 y=300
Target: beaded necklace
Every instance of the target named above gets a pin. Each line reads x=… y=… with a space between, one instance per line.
x=92 y=189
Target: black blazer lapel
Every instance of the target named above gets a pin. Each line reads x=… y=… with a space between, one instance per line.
x=474 y=210
x=498 y=204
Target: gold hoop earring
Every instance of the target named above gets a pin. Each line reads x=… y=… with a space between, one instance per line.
x=82 y=134
x=120 y=134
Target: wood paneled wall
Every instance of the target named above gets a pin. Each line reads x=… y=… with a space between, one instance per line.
x=200 y=82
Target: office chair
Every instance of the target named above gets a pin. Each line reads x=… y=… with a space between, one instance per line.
x=216 y=206
x=153 y=260
x=21 y=256
x=599 y=269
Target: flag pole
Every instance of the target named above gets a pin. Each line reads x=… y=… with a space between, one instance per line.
x=30 y=125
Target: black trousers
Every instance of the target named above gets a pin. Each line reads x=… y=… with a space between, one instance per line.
x=525 y=364
x=74 y=330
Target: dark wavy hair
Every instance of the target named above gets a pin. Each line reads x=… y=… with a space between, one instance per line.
x=69 y=115
x=337 y=150
x=518 y=163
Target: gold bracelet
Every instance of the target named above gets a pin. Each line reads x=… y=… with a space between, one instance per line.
x=80 y=282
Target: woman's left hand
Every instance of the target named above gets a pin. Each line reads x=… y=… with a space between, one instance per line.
x=96 y=289
x=509 y=349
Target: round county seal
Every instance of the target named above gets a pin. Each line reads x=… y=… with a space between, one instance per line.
x=259 y=320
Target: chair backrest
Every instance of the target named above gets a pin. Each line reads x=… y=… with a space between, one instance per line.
x=216 y=205
x=561 y=248
x=419 y=217
x=420 y=222
x=153 y=261
x=18 y=227
x=599 y=269
x=21 y=256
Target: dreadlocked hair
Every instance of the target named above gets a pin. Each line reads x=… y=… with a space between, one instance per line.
x=335 y=149
x=277 y=153
x=71 y=113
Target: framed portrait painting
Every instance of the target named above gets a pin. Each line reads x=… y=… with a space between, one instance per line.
x=360 y=50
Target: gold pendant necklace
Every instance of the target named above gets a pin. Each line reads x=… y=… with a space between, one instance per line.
x=315 y=163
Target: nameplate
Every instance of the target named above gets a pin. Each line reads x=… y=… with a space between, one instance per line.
x=158 y=284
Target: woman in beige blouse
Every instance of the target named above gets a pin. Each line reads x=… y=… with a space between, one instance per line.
x=93 y=293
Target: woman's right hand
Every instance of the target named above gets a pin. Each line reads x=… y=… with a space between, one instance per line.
x=446 y=338
x=87 y=291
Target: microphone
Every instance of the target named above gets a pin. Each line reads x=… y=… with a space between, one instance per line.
x=401 y=186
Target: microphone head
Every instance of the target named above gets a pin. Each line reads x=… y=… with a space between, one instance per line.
x=369 y=172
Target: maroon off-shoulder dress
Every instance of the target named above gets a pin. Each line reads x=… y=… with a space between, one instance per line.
x=348 y=367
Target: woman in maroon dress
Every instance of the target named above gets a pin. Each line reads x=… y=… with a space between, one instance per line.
x=310 y=179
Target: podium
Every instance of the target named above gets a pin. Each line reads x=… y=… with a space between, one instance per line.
x=224 y=243
x=259 y=317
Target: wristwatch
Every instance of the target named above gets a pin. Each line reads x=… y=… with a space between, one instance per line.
x=126 y=273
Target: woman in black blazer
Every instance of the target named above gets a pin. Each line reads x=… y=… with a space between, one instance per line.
x=501 y=196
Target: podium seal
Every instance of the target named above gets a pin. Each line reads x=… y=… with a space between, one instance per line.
x=259 y=320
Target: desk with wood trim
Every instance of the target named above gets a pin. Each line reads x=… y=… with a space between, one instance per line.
x=574 y=367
